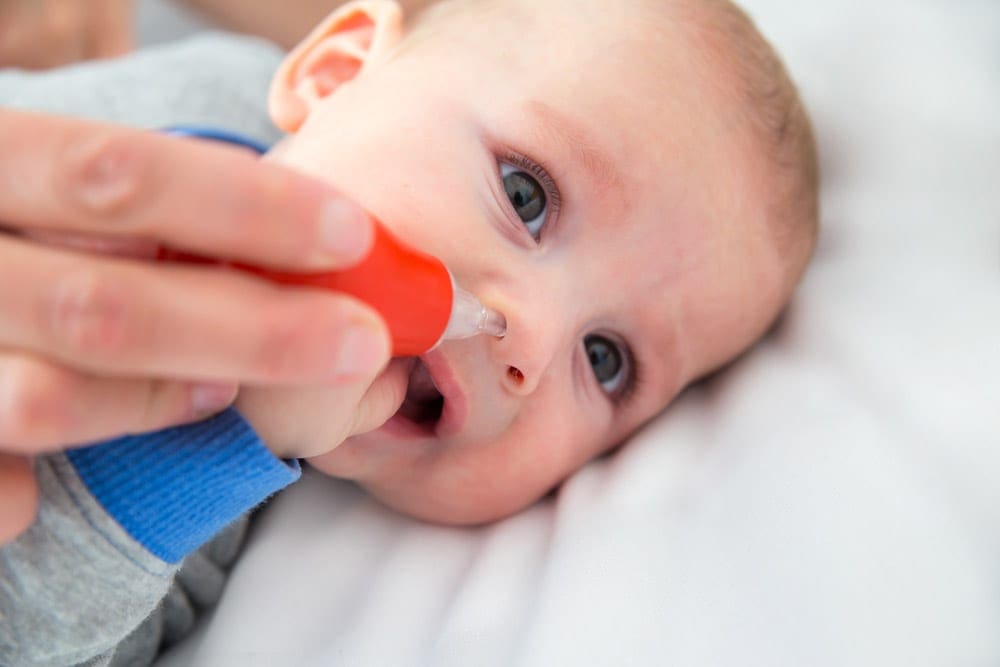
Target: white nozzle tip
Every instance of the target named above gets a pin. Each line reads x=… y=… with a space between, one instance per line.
x=494 y=324
x=470 y=317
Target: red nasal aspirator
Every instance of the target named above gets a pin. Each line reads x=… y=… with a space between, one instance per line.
x=413 y=292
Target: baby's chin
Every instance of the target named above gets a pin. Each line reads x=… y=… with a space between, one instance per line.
x=448 y=509
x=423 y=497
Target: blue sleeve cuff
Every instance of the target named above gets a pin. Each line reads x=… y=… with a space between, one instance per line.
x=174 y=489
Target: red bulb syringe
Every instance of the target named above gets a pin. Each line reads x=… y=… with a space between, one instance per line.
x=413 y=292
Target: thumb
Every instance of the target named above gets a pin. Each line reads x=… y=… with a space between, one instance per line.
x=18 y=496
x=384 y=397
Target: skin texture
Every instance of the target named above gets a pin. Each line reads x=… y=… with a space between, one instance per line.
x=658 y=242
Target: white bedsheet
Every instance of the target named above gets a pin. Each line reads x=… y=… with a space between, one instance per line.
x=833 y=499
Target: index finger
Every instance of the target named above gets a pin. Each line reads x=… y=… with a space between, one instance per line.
x=82 y=176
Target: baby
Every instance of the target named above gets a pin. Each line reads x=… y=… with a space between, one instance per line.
x=632 y=183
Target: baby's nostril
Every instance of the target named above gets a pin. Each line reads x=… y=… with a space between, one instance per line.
x=516 y=375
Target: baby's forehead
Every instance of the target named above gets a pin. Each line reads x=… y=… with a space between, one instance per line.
x=644 y=54
x=623 y=27
x=619 y=89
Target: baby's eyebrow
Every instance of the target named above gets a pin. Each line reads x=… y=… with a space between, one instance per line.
x=552 y=124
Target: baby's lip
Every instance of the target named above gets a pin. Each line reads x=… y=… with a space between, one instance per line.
x=456 y=405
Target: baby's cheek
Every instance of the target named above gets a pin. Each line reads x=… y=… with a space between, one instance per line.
x=548 y=451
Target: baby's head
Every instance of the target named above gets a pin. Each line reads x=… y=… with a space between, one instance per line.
x=632 y=183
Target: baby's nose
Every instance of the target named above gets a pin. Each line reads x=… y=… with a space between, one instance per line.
x=517 y=382
x=533 y=301
x=526 y=353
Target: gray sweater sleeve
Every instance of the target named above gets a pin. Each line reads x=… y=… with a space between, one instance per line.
x=75 y=583
x=212 y=79
x=77 y=589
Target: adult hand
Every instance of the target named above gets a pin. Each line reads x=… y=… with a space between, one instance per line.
x=92 y=346
x=36 y=34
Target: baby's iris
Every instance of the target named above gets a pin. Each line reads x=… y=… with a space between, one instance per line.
x=527 y=197
x=606 y=360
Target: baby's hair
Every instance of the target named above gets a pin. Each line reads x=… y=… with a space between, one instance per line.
x=770 y=104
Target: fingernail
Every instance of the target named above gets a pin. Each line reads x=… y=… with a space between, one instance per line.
x=345 y=232
x=362 y=353
x=207 y=399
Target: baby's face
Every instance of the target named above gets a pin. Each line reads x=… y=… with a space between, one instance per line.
x=593 y=199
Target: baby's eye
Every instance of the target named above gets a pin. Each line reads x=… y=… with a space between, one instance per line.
x=527 y=196
x=607 y=361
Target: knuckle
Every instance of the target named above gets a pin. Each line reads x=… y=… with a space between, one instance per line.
x=88 y=313
x=301 y=335
x=103 y=173
x=282 y=352
x=34 y=405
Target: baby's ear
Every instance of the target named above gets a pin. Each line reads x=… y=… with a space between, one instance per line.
x=334 y=53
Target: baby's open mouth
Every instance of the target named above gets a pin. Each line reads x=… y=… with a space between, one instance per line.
x=423 y=403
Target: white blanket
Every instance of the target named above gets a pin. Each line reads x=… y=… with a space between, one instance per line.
x=833 y=499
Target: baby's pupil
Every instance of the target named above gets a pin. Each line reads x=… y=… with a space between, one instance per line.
x=525 y=194
x=604 y=358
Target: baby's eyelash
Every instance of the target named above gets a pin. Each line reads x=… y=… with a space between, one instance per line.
x=540 y=173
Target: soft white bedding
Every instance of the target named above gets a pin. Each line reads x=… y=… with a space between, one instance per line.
x=833 y=499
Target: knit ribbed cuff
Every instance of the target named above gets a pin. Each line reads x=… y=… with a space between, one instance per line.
x=174 y=489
